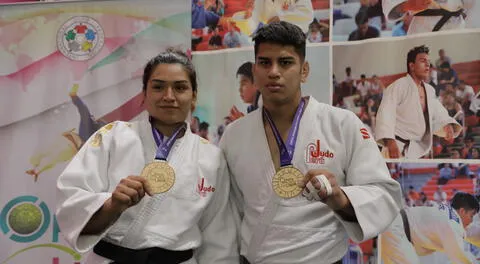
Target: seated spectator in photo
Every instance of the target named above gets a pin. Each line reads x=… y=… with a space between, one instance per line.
x=469 y=142
x=446 y=173
x=442 y=58
x=363 y=87
x=215 y=6
x=215 y=41
x=363 y=31
x=464 y=93
x=454 y=108
x=455 y=154
x=447 y=76
x=314 y=34
x=412 y=194
x=433 y=78
x=232 y=38
x=473 y=153
x=440 y=196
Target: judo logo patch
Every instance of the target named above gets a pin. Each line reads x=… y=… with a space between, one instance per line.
x=315 y=155
x=364 y=133
x=80 y=38
x=203 y=189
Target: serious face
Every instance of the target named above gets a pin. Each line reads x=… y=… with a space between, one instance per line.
x=279 y=72
x=421 y=67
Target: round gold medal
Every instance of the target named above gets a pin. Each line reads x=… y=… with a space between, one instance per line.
x=285 y=182
x=160 y=176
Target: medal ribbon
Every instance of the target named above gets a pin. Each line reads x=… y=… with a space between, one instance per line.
x=165 y=147
x=286 y=150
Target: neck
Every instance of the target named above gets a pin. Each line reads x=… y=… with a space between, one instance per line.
x=283 y=114
x=167 y=129
x=418 y=81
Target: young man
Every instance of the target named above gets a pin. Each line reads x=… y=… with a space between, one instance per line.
x=423 y=230
x=248 y=90
x=410 y=113
x=334 y=157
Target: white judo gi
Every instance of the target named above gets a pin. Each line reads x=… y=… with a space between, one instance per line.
x=183 y=218
x=302 y=231
x=400 y=114
x=438 y=228
x=299 y=12
x=421 y=24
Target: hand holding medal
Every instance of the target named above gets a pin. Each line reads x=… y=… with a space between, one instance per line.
x=128 y=193
x=321 y=185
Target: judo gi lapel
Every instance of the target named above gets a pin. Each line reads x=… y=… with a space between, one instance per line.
x=418 y=148
x=149 y=151
x=271 y=207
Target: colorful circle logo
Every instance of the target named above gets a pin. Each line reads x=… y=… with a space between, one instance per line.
x=24 y=219
x=80 y=38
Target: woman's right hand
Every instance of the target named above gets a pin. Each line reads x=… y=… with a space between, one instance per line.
x=128 y=192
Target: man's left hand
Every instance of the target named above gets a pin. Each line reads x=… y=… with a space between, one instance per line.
x=337 y=200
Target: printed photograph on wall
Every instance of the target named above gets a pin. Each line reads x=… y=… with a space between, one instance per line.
x=418 y=96
x=439 y=221
x=224 y=24
x=355 y=20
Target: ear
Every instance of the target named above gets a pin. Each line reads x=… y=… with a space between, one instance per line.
x=305 y=71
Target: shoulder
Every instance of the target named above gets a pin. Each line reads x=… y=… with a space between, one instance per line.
x=334 y=114
x=109 y=132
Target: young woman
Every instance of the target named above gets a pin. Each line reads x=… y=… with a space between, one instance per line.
x=150 y=191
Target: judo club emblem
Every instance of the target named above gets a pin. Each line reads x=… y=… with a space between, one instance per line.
x=315 y=155
x=80 y=38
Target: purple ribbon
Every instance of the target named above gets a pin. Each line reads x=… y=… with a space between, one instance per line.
x=165 y=147
x=286 y=150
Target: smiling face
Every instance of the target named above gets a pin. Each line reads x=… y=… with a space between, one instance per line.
x=278 y=73
x=169 y=96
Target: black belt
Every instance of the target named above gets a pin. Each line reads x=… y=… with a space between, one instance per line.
x=445 y=14
x=122 y=255
x=244 y=260
x=406 y=225
x=404 y=141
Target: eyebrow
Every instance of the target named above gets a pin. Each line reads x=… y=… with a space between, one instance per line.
x=281 y=58
x=162 y=81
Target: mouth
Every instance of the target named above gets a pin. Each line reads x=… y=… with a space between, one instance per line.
x=273 y=87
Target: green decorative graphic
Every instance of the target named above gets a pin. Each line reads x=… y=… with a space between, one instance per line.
x=70 y=35
x=75 y=255
x=25 y=218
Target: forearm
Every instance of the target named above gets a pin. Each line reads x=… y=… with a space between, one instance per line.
x=101 y=220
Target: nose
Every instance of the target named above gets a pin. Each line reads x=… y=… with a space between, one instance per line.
x=274 y=72
x=169 y=95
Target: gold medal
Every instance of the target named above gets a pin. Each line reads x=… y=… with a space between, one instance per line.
x=285 y=182
x=160 y=176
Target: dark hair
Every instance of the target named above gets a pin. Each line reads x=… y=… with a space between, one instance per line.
x=203 y=126
x=246 y=70
x=282 y=33
x=361 y=17
x=170 y=56
x=363 y=76
x=412 y=54
x=466 y=201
